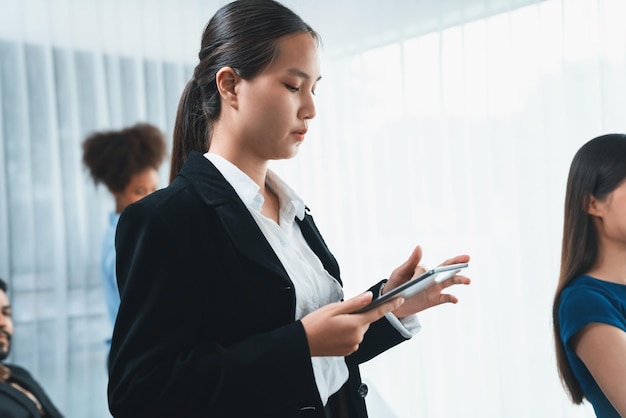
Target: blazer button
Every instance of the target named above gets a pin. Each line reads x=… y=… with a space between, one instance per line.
x=362 y=390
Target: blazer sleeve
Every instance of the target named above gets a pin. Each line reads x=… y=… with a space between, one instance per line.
x=167 y=358
x=380 y=337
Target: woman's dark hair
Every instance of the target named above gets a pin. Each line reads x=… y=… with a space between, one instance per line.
x=242 y=35
x=114 y=157
x=597 y=169
x=3 y=286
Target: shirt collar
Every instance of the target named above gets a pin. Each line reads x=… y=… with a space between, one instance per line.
x=248 y=190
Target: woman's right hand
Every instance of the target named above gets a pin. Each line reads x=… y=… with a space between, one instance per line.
x=333 y=330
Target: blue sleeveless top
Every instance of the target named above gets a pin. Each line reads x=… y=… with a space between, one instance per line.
x=583 y=301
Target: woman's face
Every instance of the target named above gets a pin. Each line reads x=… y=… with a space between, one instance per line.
x=276 y=105
x=139 y=186
x=611 y=215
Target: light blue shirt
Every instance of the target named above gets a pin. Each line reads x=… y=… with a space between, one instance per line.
x=109 y=278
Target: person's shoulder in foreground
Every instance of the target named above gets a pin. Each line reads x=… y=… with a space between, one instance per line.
x=20 y=394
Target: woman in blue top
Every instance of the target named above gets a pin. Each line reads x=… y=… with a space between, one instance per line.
x=127 y=162
x=589 y=311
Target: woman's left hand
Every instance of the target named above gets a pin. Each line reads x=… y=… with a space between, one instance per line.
x=432 y=296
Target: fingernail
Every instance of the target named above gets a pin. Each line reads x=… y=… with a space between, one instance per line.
x=399 y=302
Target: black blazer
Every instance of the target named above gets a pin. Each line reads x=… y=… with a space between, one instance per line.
x=14 y=404
x=206 y=322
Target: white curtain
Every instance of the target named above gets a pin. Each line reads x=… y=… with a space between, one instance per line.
x=68 y=68
x=449 y=124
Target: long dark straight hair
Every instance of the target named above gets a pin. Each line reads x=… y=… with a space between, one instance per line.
x=597 y=169
x=242 y=35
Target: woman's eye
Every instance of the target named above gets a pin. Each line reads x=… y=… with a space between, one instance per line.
x=292 y=88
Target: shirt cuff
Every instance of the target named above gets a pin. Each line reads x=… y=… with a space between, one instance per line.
x=407 y=326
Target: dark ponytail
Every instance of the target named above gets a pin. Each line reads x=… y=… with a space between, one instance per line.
x=191 y=129
x=242 y=35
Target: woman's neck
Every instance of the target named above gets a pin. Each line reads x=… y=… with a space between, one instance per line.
x=610 y=264
x=254 y=168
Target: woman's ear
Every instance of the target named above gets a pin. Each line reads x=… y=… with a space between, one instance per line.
x=595 y=207
x=226 y=80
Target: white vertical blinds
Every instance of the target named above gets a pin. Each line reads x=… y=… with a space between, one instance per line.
x=449 y=124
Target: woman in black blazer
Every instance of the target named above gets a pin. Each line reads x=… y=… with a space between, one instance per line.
x=219 y=317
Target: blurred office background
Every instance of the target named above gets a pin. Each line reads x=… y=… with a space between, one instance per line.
x=445 y=123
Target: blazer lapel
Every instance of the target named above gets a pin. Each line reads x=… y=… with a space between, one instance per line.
x=20 y=398
x=218 y=194
x=33 y=387
x=316 y=242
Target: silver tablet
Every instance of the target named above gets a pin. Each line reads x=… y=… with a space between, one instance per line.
x=416 y=284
